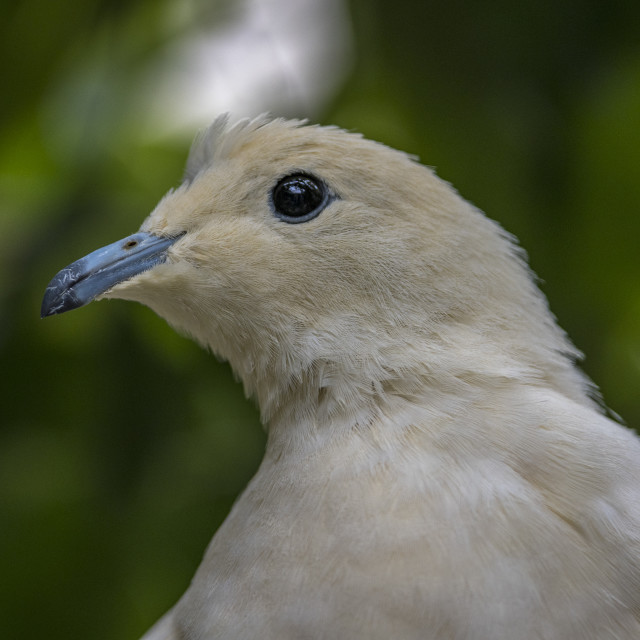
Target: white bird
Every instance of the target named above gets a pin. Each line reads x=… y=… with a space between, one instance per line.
x=436 y=467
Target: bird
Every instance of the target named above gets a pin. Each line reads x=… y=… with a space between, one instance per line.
x=436 y=466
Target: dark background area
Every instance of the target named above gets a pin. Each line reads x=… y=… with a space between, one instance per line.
x=122 y=444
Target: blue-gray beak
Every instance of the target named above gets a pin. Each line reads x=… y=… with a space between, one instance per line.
x=81 y=282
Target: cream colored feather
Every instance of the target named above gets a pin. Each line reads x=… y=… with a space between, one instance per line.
x=435 y=465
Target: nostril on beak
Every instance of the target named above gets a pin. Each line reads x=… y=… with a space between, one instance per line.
x=130 y=244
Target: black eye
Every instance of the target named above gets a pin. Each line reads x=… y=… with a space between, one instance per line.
x=299 y=198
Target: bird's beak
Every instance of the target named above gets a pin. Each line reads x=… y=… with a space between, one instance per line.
x=85 y=279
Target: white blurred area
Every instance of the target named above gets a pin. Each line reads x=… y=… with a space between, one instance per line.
x=287 y=57
x=164 y=71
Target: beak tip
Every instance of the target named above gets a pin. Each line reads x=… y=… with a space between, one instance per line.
x=47 y=308
x=58 y=299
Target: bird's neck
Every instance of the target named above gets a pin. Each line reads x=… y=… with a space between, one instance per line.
x=310 y=402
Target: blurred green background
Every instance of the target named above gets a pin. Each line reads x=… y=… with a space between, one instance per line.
x=122 y=444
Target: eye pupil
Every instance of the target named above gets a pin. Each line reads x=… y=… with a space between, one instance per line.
x=299 y=198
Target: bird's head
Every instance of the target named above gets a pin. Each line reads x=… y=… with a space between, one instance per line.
x=312 y=258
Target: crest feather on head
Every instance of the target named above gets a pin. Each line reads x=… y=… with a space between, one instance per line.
x=216 y=141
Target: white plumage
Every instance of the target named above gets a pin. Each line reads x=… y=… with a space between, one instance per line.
x=435 y=467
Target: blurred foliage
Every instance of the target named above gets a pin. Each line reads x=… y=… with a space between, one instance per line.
x=123 y=445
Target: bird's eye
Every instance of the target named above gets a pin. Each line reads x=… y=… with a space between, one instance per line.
x=299 y=197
